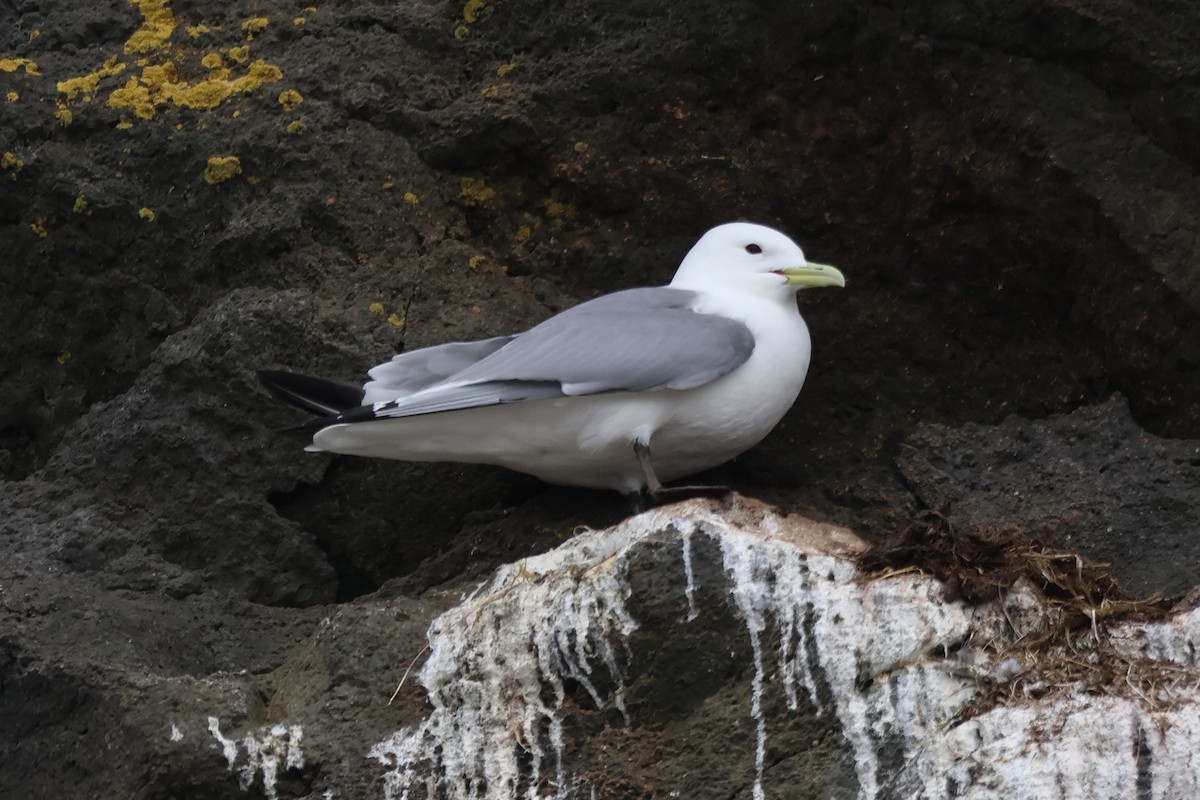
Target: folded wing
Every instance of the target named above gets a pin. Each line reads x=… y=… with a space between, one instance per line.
x=638 y=340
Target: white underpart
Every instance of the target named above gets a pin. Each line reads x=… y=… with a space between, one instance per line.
x=588 y=440
x=891 y=660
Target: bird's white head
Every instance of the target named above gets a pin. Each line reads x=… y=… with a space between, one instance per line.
x=743 y=256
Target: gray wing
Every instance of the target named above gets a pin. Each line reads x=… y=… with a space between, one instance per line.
x=638 y=340
x=417 y=369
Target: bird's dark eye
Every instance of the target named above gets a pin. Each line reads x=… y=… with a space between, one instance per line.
x=753 y=249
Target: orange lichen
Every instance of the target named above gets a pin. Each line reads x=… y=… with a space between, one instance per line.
x=14 y=64
x=162 y=84
x=411 y=198
x=396 y=320
x=560 y=213
x=474 y=191
x=134 y=96
x=290 y=98
x=147 y=214
x=475 y=9
x=11 y=97
x=86 y=85
x=212 y=61
x=253 y=26
x=239 y=54
x=221 y=169
x=158 y=23
x=476 y=261
x=11 y=161
x=297 y=126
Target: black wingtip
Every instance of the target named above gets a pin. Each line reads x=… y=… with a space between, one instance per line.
x=322 y=397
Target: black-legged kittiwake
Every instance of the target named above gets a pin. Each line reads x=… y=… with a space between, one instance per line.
x=623 y=392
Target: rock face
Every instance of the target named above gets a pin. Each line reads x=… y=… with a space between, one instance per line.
x=192 y=607
x=554 y=679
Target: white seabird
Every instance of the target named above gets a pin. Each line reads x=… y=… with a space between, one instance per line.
x=623 y=392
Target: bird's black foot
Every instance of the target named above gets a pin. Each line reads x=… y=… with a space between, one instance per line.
x=665 y=495
x=657 y=494
x=673 y=494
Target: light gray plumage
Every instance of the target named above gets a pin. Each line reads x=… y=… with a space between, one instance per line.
x=693 y=373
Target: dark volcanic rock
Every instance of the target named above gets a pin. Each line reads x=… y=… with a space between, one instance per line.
x=1091 y=481
x=190 y=191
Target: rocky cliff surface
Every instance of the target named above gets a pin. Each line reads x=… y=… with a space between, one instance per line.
x=192 y=607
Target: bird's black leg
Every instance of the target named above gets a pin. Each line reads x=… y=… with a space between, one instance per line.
x=662 y=494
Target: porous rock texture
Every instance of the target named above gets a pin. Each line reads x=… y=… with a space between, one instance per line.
x=190 y=191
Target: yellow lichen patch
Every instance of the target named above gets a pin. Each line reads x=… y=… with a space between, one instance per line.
x=411 y=198
x=388 y=186
x=196 y=31
x=290 y=98
x=14 y=64
x=134 y=96
x=504 y=69
x=64 y=115
x=260 y=73
x=11 y=162
x=253 y=180
x=86 y=85
x=221 y=169
x=158 y=23
x=63 y=358
x=297 y=126
x=239 y=54
x=474 y=10
x=33 y=34
x=81 y=205
x=581 y=147
x=475 y=191
x=299 y=21
x=490 y=91
x=212 y=61
x=560 y=213
x=124 y=124
x=523 y=234
x=147 y=214
x=476 y=261
x=376 y=308
x=38 y=226
x=253 y=26
x=11 y=97
x=396 y=320
x=461 y=32
x=161 y=84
